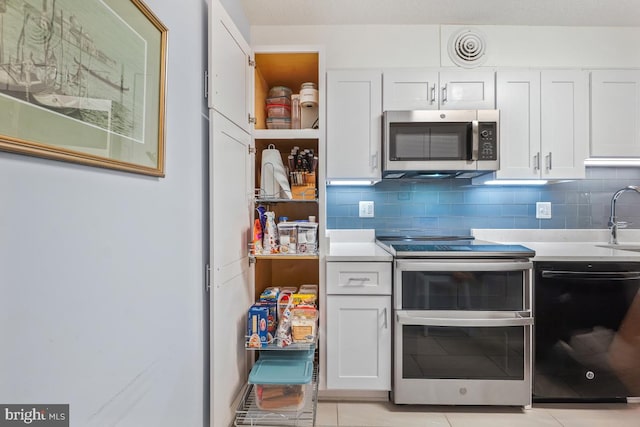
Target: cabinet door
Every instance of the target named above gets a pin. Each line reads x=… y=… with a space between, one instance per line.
x=230 y=74
x=473 y=89
x=615 y=113
x=518 y=99
x=231 y=274
x=410 y=90
x=358 y=342
x=354 y=124
x=564 y=123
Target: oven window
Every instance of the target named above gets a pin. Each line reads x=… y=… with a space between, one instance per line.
x=463 y=290
x=432 y=141
x=438 y=352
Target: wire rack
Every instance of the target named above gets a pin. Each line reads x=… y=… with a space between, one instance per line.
x=248 y=413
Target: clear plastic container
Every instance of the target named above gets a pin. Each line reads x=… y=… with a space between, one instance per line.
x=280 y=397
x=279 y=91
x=278 y=111
x=304 y=323
x=307 y=237
x=288 y=235
x=309 y=289
x=280 y=100
x=281 y=384
x=278 y=123
x=295 y=112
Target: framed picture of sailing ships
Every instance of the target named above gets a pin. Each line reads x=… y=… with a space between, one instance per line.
x=84 y=81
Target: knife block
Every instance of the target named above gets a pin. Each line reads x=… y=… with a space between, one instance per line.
x=303 y=185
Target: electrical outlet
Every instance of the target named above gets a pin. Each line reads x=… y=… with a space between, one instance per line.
x=366 y=209
x=543 y=210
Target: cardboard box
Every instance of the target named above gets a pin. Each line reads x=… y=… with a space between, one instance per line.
x=257 y=326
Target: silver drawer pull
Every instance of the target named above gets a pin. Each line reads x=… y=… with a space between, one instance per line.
x=386 y=324
x=359 y=279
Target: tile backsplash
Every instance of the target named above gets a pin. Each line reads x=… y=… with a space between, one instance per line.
x=454 y=206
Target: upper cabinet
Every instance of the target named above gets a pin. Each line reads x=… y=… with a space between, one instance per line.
x=354 y=124
x=543 y=123
x=279 y=69
x=564 y=123
x=230 y=70
x=615 y=113
x=444 y=89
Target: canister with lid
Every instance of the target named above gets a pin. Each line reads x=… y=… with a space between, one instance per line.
x=308 y=95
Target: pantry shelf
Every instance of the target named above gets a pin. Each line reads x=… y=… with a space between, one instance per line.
x=248 y=413
x=286 y=133
x=286 y=256
x=267 y=201
x=296 y=346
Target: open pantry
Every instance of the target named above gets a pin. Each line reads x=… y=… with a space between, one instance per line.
x=285 y=242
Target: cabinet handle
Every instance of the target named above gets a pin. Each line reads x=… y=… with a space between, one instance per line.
x=386 y=323
x=549 y=165
x=359 y=279
x=444 y=94
x=536 y=162
x=433 y=93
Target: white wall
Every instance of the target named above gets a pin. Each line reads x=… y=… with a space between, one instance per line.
x=101 y=272
x=378 y=46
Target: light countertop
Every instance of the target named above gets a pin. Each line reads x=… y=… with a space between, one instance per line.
x=566 y=245
x=355 y=245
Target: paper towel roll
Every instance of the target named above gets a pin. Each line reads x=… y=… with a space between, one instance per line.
x=273 y=176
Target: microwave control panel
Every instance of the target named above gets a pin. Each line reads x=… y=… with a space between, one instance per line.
x=488 y=141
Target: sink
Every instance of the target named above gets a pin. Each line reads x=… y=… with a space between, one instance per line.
x=621 y=246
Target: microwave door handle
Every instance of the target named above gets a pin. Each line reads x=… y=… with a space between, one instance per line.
x=475 y=140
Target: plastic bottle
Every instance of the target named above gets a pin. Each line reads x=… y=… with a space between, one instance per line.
x=295 y=111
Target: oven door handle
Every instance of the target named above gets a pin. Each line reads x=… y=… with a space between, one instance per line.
x=462 y=265
x=523 y=318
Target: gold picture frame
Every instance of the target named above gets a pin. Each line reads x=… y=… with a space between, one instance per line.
x=84 y=81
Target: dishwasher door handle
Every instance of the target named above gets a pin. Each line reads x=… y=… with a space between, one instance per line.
x=591 y=275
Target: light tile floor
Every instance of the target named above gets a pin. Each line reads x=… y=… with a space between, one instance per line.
x=386 y=414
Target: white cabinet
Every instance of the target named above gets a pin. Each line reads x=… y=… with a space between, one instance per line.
x=564 y=123
x=354 y=124
x=230 y=183
x=427 y=89
x=230 y=73
x=615 y=113
x=359 y=325
x=543 y=123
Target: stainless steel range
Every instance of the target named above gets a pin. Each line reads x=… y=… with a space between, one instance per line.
x=462 y=321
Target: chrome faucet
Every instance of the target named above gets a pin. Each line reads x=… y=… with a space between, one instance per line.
x=613 y=221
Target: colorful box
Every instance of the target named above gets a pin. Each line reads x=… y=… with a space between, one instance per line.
x=257 y=326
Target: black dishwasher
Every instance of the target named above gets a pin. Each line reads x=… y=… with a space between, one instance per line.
x=587 y=331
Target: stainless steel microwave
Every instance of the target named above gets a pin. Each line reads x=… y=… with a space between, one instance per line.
x=440 y=143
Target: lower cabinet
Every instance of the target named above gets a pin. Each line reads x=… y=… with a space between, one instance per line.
x=359 y=342
x=358 y=321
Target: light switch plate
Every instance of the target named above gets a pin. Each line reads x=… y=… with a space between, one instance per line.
x=543 y=210
x=366 y=209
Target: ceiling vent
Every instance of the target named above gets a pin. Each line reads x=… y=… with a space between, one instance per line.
x=467 y=48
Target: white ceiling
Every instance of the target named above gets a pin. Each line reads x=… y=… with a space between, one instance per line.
x=428 y=12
